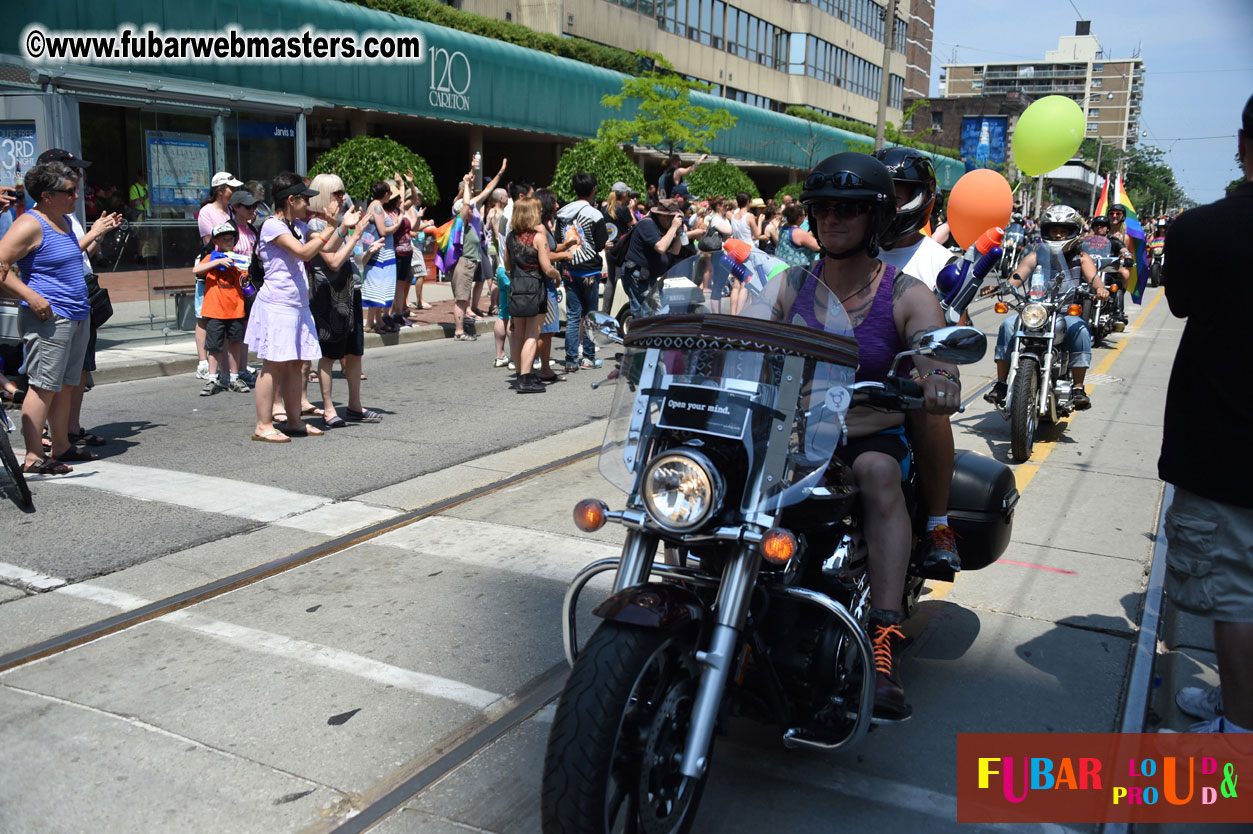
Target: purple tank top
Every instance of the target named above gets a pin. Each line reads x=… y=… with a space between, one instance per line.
x=878 y=341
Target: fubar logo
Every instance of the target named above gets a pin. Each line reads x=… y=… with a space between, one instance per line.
x=450 y=79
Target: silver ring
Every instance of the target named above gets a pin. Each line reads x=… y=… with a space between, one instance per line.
x=941 y=394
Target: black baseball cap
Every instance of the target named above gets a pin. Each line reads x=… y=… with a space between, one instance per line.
x=243 y=198
x=62 y=156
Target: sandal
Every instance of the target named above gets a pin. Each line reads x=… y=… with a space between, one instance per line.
x=305 y=431
x=335 y=422
x=313 y=376
x=466 y=337
x=86 y=437
x=46 y=466
x=551 y=379
x=311 y=411
x=76 y=455
x=482 y=314
x=275 y=436
x=426 y=306
x=363 y=416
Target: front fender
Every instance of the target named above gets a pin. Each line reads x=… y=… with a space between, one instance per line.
x=652 y=605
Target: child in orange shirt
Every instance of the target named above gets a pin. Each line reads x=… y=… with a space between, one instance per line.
x=223 y=309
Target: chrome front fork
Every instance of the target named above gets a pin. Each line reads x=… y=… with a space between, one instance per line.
x=730 y=610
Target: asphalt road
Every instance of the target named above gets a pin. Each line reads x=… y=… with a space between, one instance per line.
x=332 y=691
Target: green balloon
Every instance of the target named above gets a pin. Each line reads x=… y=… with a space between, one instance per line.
x=1048 y=134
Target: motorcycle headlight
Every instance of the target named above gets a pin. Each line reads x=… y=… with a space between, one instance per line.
x=1034 y=315
x=682 y=490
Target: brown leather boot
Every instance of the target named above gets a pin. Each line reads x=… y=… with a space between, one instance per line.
x=889 y=695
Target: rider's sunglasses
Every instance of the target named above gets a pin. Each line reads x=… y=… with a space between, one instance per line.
x=835 y=179
x=839 y=210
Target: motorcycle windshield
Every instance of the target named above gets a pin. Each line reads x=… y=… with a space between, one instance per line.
x=762 y=374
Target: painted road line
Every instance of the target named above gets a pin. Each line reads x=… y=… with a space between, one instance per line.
x=1127 y=334
x=30 y=578
x=207 y=493
x=299 y=651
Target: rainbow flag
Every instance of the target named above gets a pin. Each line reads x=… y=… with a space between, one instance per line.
x=1135 y=238
x=1103 y=203
x=448 y=244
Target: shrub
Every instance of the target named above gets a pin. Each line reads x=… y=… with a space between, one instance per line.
x=578 y=49
x=891 y=134
x=793 y=189
x=362 y=160
x=720 y=179
x=609 y=163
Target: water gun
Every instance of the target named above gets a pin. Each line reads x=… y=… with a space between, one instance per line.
x=239 y=262
x=958 y=284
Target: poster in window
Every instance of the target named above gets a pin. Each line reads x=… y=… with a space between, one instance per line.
x=983 y=142
x=179 y=168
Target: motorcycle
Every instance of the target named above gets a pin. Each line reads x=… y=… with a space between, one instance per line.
x=1157 y=260
x=1014 y=246
x=1038 y=386
x=1103 y=315
x=722 y=435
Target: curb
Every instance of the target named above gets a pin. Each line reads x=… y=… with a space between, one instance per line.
x=149 y=368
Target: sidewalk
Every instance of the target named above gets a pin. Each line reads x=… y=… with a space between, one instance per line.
x=127 y=352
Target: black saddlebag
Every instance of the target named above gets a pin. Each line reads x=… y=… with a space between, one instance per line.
x=981 y=508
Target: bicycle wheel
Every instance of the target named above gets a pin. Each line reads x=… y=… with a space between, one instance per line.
x=15 y=468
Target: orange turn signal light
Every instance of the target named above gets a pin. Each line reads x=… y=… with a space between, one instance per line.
x=1002 y=307
x=1074 y=310
x=589 y=515
x=778 y=546
x=1113 y=288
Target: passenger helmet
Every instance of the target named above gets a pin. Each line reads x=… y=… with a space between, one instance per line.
x=1066 y=217
x=1100 y=219
x=913 y=169
x=852 y=177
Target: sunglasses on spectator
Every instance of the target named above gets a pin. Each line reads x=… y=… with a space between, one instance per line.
x=66 y=191
x=841 y=211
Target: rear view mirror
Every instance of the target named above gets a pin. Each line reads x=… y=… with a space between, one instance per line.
x=960 y=345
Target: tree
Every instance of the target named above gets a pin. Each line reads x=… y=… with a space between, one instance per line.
x=607 y=162
x=665 y=117
x=720 y=179
x=362 y=160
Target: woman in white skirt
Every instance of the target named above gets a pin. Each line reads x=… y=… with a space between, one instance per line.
x=379 y=289
x=281 y=328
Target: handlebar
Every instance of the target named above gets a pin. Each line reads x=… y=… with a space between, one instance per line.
x=893 y=394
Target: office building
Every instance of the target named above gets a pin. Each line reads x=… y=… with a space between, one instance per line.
x=1109 y=90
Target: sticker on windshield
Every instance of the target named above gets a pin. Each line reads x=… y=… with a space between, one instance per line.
x=704 y=410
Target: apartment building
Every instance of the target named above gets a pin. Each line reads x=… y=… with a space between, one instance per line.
x=1110 y=90
x=824 y=54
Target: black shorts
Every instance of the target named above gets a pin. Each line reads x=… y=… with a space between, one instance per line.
x=219 y=331
x=890 y=442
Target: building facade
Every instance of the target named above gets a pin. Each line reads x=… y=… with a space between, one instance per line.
x=824 y=54
x=1110 y=90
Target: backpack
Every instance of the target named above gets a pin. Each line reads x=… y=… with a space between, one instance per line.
x=618 y=254
x=664 y=183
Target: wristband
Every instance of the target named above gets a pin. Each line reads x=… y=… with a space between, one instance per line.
x=945 y=374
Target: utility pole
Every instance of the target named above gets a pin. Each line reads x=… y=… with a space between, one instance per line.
x=885 y=86
x=1100 y=146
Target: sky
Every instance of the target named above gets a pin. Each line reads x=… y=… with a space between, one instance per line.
x=1198 y=66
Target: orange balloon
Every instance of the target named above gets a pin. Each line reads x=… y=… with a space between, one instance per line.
x=980 y=200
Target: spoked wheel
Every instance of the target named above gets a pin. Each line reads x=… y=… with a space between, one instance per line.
x=1024 y=410
x=612 y=763
x=15 y=468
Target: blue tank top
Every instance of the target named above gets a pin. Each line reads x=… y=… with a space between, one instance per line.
x=878 y=340
x=55 y=270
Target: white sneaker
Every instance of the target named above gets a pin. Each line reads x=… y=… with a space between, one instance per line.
x=500 y=362
x=202 y=370
x=1204 y=702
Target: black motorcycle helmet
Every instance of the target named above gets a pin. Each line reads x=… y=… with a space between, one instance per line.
x=852 y=177
x=1100 y=220
x=912 y=169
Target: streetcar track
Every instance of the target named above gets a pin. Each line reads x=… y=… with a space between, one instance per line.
x=110 y=625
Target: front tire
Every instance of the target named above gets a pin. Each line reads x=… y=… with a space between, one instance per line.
x=1155 y=274
x=12 y=464
x=1023 y=411
x=618 y=735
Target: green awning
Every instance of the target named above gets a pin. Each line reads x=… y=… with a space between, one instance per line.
x=461 y=77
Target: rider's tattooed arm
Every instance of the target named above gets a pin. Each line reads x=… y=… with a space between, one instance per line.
x=903 y=284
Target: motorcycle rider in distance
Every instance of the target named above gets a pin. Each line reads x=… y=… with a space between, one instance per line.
x=851 y=202
x=1065 y=261
x=1100 y=243
x=904 y=246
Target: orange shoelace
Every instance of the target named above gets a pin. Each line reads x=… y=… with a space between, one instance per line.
x=944 y=536
x=882 y=645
